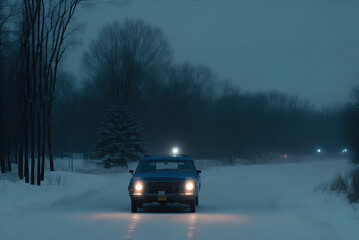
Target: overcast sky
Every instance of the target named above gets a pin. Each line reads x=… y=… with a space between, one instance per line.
x=305 y=47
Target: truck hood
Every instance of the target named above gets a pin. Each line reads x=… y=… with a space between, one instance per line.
x=164 y=176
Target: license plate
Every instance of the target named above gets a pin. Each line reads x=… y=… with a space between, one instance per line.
x=162 y=198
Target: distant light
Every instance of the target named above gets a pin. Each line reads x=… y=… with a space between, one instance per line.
x=175 y=150
x=345 y=150
x=285 y=155
x=319 y=150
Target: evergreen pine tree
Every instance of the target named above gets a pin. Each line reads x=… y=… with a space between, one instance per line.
x=120 y=138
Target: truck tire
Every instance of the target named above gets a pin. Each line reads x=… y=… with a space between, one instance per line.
x=192 y=206
x=197 y=201
x=133 y=206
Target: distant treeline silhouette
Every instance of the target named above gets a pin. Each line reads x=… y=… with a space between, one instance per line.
x=184 y=104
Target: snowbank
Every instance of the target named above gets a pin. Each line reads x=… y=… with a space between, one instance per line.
x=58 y=185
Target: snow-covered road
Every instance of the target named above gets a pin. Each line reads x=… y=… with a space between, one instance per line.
x=236 y=202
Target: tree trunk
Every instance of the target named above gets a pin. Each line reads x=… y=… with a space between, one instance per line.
x=20 y=162
x=8 y=156
x=32 y=126
x=43 y=143
x=26 y=142
x=2 y=164
x=2 y=154
x=38 y=148
x=15 y=154
x=49 y=144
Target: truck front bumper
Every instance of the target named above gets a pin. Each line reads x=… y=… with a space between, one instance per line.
x=184 y=198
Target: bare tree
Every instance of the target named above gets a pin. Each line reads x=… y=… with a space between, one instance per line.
x=7 y=12
x=46 y=35
x=352 y=129
x=46 y=32
x=125 y=55
x=196 y=82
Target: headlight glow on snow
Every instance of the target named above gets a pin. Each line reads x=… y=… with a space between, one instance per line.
x=189 y=186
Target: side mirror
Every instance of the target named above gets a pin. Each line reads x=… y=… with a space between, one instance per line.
x=199 y=171
x=131 y=171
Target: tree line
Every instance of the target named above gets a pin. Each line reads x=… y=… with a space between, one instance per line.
x=34 y=37
x=129 y=71
x=352 y=129
x=184 y=104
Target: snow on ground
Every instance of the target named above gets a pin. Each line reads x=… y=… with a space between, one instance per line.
x=269 y=201
x=57 y=185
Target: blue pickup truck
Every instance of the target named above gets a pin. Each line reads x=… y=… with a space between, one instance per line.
x=165 y=179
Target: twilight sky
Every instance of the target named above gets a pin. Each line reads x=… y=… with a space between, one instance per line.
x=305 y=47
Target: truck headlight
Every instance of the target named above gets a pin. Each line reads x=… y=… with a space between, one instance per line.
x=189 y=186
x=138 y=187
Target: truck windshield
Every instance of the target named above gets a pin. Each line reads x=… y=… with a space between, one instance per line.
x=165 y=165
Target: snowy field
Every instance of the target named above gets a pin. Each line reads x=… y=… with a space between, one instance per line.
x=261 y=202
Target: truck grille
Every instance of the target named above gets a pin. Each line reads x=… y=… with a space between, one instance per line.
x=168 y=187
